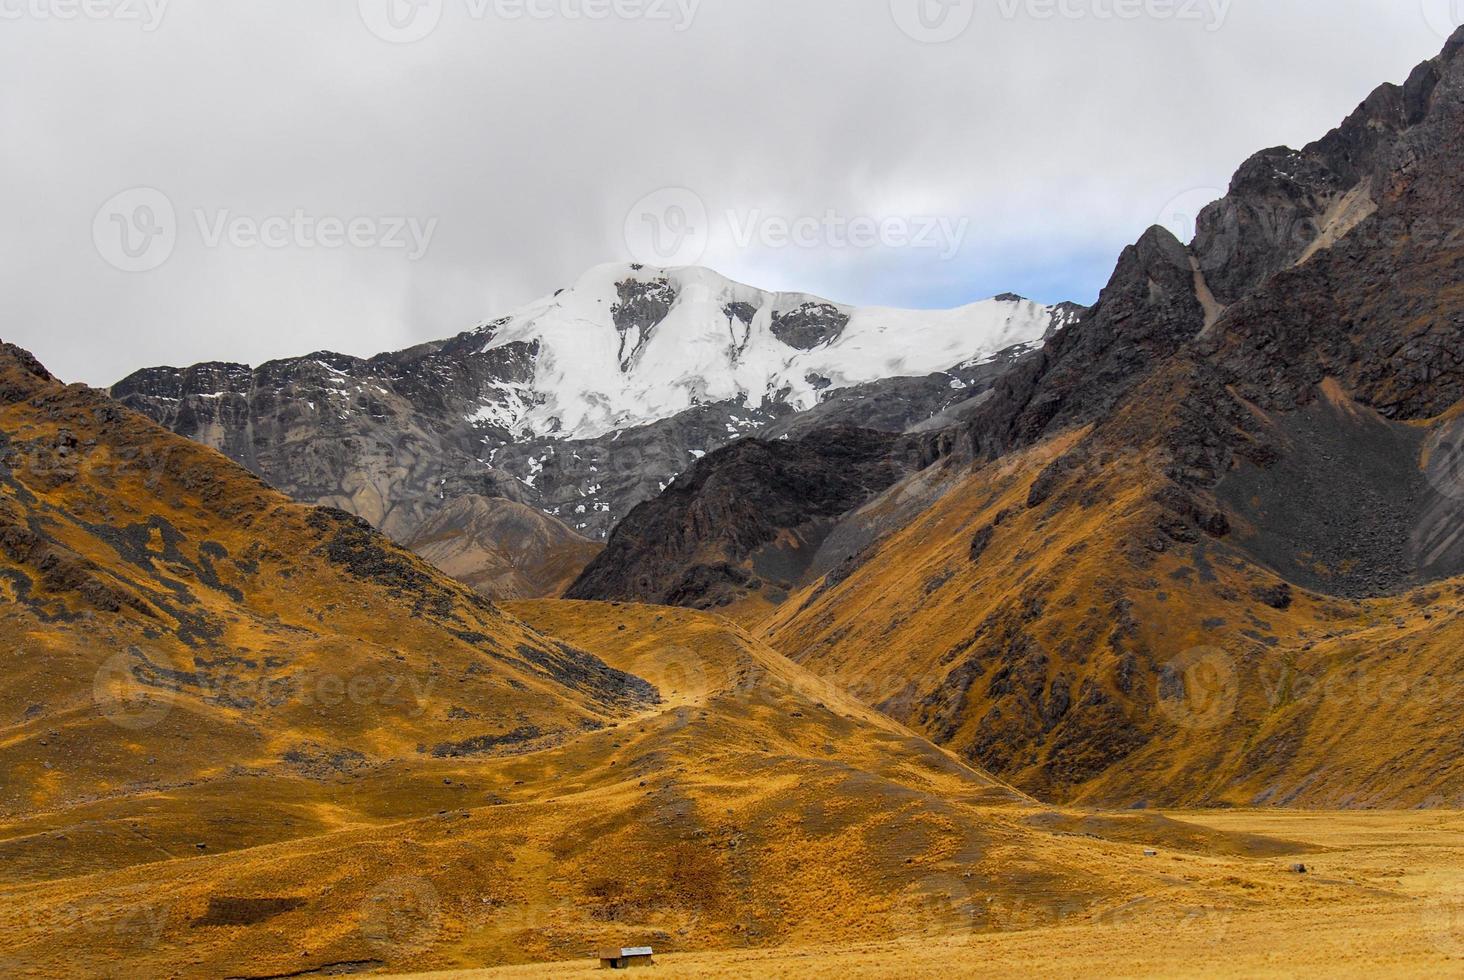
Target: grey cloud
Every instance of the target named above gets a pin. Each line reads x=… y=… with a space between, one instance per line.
x=528 y=138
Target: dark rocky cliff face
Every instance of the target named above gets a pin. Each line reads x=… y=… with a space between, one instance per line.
x=1380 y=309
x=381 y=438
x=1344 y=260
x=744 y=520
x=396 y=438
x=1150 y=307
x=1387 y=176
x=809 y=326
x=1346 y=268
x=389 y=438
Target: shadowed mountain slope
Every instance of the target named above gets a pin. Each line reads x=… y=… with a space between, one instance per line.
x=151 y=586
x=1180 y=555
x=746 y=521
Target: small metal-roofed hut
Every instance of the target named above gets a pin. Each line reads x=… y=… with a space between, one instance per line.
x=622 y=958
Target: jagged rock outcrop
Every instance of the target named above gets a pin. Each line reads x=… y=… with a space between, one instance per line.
x=746 y=520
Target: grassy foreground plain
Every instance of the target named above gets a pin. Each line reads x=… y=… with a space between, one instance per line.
x=1402 y=916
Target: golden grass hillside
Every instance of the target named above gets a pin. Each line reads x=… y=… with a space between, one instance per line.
x=246 y=738
x=168 y=621
x=755 y=808
x=1070 y=636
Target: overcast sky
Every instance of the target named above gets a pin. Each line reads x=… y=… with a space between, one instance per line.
x=191 y=180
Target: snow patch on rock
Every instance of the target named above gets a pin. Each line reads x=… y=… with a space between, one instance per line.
x=626 y=346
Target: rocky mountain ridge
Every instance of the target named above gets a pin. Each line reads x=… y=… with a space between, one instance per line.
x=1299 y=235
x=587 y=403
x=1166 y=541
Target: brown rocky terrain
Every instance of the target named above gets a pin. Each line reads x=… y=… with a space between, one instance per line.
x=746 y=521
x=1179 y=555
x=503 y=549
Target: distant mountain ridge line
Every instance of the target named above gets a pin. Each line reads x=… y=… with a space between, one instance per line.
x=585 y=403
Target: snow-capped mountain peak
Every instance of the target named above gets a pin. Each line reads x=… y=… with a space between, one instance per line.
x=629 y=345
x=591 y=401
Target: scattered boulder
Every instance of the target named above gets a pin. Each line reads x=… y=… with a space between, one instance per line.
x=1276 y=596
x=982 y=541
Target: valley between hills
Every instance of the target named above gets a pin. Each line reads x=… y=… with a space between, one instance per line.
x=1122 y=639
